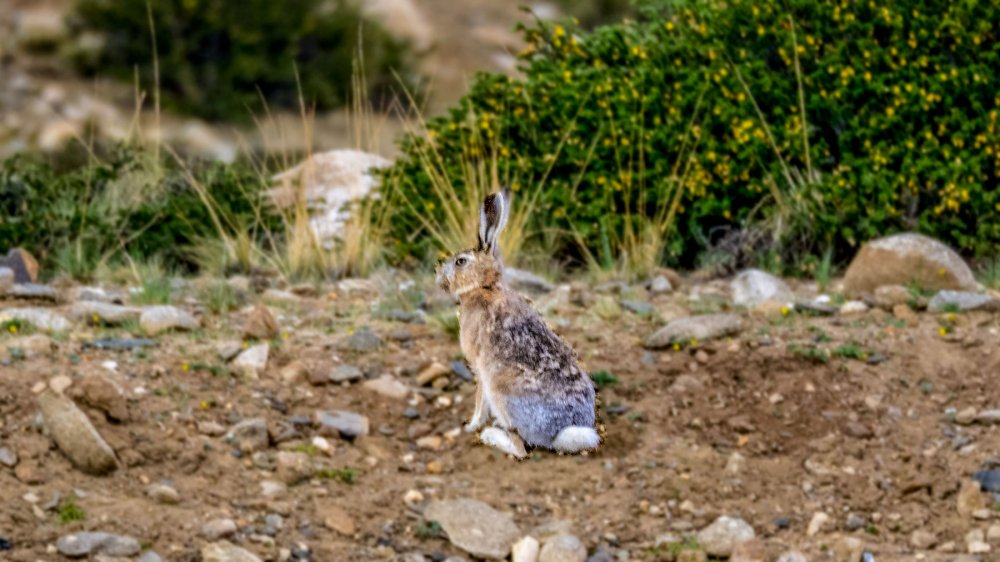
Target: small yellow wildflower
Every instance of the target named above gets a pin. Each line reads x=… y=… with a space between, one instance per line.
x=943 y=331
x=185 y=367
x=12 y=328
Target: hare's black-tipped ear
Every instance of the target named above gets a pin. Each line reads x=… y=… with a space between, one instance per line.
x=492 y=220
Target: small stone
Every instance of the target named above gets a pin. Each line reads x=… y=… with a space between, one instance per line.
x=150 y=556
x=228 y=350
x=475 y=527
x=905 y=313
x=218 y=528
x=989 y=480
x=922 y=539
x=100 y=393
x=249 y=435
x=660 y=285
x=294 y=372
x=698 y=328
x=461 y=370
x=817 y=523
x=432 y=372
x=211 y=428
x=855 y=522
x=748 y=551
x=294 y=467
x=563 y=548
x=363 y=341
x=993 y=533
x=791 y=556
x=857 y=430
x=158 y=319
x=979 y=547
x=988 y=417
x=853 y=307
x=97 y=313
x=7 y=457
x=224 y=551
x=162 y=493
x=525 y=550
x=527 y=282
x=435 y=467
x=719 y=538
x=75 y=435
x=338 y=520
x=891 y=296
x=261 y=325
x=639 y=308
x=60 y=384
x=272 y=489
x=970 y=498
x=962 y=301
x=253 y=360
x=606 y=307
x=96 y=544
x=345 y=373
x=388 y=386
x=430 y=442
x=965 y=416
x=337 y=423
x=848 y=549
x=753 y=287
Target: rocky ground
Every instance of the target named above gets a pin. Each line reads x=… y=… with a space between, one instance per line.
x=744 y=419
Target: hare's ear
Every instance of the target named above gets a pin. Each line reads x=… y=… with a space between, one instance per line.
x=492 y=220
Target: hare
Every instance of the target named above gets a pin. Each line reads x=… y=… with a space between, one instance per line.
x=528 y=380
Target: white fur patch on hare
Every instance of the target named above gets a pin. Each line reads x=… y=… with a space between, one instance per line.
x=576 y=438
x=500 y=439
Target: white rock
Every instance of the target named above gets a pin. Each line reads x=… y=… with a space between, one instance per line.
x=753 y=287
x=388 y=386
x=563 y=548
x=853 y=307
x=41 y=318
x=719 y=538
x=253 y=360
x=525 y=550
x=159 y=319
x=475 y=527
x=817 y=523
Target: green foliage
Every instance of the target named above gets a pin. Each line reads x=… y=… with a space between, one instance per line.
x=69 y=512
x=850 y=351
x=16 y=326
x=791 y=127
x=603 y=379
x=345 y=475
x=218 y=58
x=219 y=297
x=77 y=219
x=428 y=530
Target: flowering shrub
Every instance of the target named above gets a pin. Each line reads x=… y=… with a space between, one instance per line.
x=830 y=122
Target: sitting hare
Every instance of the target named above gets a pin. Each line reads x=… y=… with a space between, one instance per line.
x=528 y=379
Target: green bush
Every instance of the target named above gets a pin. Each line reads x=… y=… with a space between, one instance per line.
x=900 y=114
x=127 y=202
x=217 y=58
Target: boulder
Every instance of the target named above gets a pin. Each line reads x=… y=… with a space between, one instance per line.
x=75 y=435
x=475 y=527
x=753 y=287
x=701 y=328
x=22 y=264
x=905 y=259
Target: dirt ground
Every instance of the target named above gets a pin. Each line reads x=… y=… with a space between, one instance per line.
x=751 y=426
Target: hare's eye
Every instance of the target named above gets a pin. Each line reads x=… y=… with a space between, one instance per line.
x=460 y=262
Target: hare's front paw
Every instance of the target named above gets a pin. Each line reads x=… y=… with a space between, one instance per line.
x=473 y=425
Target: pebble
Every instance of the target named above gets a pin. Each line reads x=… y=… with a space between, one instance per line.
x=970 y=498
x=639 y=308
x=525 y=550
x=261 y=325
x=853 y=307
x=607 y=308
x=855 y=522
x=96 y=543
x=433 y=371
x=8 y=458
x=817 y=523
x=748 y=551
x=162 y=493
x=388 y=386
x=345 y=373
x=461 y=370
x=965 y=416
x=293 y=468
x=218 y=528
x=993 y=533
x=922 y=539
x=660 y=285
x=101 y=393
x=989 y=480
x=224 y=551
x=150 y=556
x=430 y=442
x=75 y=435
x=93 y=312
x=719 y=538
x=563 y=548
x=33 y=291
x=59 y=384
x=700 y=328
x=960 y=300
x=791 y=556
x=753 y=287
x=475 y=527
x=252 y=361
x=249 y=435
x=158 y=319
x=363 y=341
x=339 y=423
x=336 y=519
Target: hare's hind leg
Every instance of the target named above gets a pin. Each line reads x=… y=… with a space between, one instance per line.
x=505 y=441
x=576 y=438
x=480 y=414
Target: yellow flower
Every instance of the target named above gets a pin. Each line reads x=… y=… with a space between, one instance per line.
x=669 y=26
x=694 y=342
x=12 y=328
x=185 y=367
x=677 y=347
x=559 y=31
x=204 y=405
x=943 y=331
x=785 y=311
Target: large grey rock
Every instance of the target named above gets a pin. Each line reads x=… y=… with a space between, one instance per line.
x=563 y=548
x=905 y=259
x=93 y=544
x=225 y=551
x=75 y=435
x=158 y=319
x=32 y=291
x=363 y=340
x=719 y=538
x=702 y=328
x=961 y=300
x=41 y=318
x=753 y=287
x=475 y=527
x=95 y=312
x=253 y=360
x=340 y=423
x=345 y=373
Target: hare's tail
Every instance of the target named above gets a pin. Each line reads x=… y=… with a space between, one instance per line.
x=576 y=438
